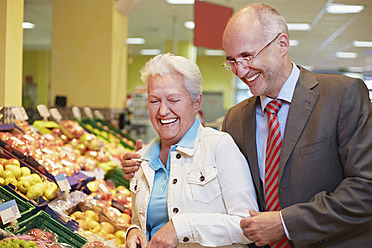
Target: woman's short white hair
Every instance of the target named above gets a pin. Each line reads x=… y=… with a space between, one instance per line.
x=164 y=64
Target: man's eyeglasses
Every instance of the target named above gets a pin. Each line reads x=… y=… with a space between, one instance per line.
x=245 y=61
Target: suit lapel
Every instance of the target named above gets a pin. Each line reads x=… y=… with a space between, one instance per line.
x=249 y=137
x=303 y=101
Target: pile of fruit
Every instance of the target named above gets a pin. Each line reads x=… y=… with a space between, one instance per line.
x=31 y=185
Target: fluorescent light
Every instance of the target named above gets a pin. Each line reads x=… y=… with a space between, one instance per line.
x=180 y=1
x=150 y=52
x=355 y=69
x=136 y=41
x=189 y=24
x=346 y=55
x=354 y=75
x=344 y=9
x=299 y=26
x=28 y=25
x=294 y=42
x=358 y=43
x=214 y=52
x=308 y=67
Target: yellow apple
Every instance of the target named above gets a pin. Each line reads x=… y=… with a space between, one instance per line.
x=77 y=215
x=91 y=215
x=51 y=192
x=15 y=169
x=12 y=161
x=23 y=186
x=83 y=224
x=37 y=178
x=11 y=180
x=25 y=171
x=120 y=236
x=2 y=181
x=35 y=191
x=94 y=226
x=7 y=173
x=107 y=227
x=3 y=160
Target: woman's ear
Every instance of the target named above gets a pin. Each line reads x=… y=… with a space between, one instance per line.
x=198 y=103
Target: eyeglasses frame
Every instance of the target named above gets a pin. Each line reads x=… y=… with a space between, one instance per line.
x=247 y=58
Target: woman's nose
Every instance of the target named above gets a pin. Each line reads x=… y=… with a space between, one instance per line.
x=164 y=109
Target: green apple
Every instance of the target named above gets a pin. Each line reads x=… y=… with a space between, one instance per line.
x=35 y=191
x=51 y=192
x=12 y=161
x=23 y=186
x=15 y=169
x=37 y=178
x=11 y=180
x=7 y=173
x=25 y=171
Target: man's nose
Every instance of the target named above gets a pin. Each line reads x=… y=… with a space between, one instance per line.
x=240 y=71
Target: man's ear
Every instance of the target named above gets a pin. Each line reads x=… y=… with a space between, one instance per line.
x=283 y=42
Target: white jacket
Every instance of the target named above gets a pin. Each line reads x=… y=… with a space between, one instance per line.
x=210 y=190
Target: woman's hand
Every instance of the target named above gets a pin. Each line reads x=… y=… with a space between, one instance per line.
x=166 y=237
x=136 y=238
x=131 y=166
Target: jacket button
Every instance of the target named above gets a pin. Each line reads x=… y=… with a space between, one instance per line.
x=201 y=178
x=175 y=210
x=185 y=239
x=178 y=156
x=174 y=181
x=135 y=187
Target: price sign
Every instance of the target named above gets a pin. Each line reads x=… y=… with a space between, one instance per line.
x=55 y=114
x=88 y=112
x=9 y=211
x=43 y=111
x=62 y=182
x=76 y=113
x=100 y=173
x=99 y=115
x=20 y=113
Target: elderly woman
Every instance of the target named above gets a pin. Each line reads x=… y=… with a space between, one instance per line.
x=193 y=186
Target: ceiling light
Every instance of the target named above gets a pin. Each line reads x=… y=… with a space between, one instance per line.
x=294 y=42
x=189 y=24
x=150 y=52
x=299 y=26
x=344 y=9
x=28 y=25
x=358 y=43
x=346 y=55
x=136 y=41
x=308 y=67
x=355 y=69
x=214 y=52
x=180 y=1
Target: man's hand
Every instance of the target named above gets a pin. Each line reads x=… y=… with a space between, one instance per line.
x=136 y=238
x=130 y=166
x=263 y=227
x=166 y=237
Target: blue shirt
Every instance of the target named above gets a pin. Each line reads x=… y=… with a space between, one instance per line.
x=157 y=214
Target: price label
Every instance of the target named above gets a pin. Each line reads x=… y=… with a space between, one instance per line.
x=20 y=113
x=55 y=114
x=88 y=112
x=98 y=115
x=62 y=182
x=76 y=112
x=9 y=211
x=43 y=111
x=100 y=173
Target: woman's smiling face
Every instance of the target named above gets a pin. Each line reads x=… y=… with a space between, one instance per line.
x=172 y=111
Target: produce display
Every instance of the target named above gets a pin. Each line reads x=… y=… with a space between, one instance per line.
x=96 y=215
x=31 y=185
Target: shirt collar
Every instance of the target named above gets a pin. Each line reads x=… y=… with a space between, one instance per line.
x=187 y=141
x=286 y=92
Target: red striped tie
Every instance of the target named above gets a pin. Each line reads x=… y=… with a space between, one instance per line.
x=273 y=147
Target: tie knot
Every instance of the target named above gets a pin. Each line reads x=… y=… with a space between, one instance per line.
x=274 y=105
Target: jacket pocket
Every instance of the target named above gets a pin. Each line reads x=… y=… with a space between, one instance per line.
x=204 y=184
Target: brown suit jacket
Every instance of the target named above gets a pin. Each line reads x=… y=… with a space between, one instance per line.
x=325 y=177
